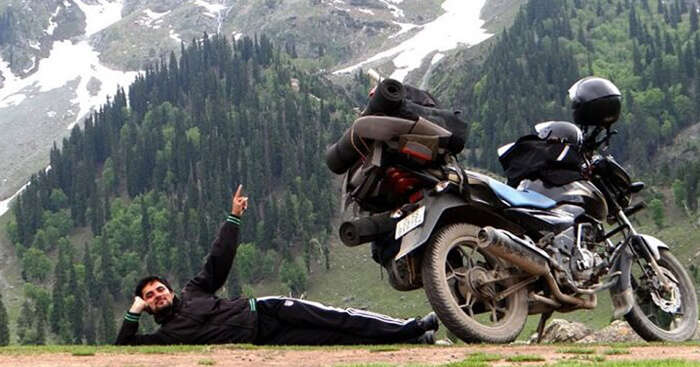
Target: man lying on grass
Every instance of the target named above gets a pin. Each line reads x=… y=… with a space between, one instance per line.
x=198 y=316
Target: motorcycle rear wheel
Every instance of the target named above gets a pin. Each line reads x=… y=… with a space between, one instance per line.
x=452 y=260
x=656 y=315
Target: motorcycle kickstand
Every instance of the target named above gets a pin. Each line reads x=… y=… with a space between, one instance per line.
x=540 y=326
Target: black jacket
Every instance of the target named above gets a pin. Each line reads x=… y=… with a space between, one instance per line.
x=199 y=316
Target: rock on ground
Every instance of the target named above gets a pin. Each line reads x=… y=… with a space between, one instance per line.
x=618 y=331
x=563 y=331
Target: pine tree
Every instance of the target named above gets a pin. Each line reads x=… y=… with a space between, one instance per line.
x=25 y=320
x=107 y=323
x=657 y=212
x=57 y=313
x=633 y=23
x=4 y=324
x=108 y=280
x=637 y=66
x=77 y=312
x=693 y=18
x=90 y=330
x=90 y=281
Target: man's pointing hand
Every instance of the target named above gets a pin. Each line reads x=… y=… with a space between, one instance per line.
x=239 y=203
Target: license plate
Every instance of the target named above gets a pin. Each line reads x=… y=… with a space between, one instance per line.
x=412 y=221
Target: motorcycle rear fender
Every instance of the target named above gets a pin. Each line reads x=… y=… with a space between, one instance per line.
x=435 y=206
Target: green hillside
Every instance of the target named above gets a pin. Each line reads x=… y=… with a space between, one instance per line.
x=142 y=188
x=650 y=49
x=144 y=185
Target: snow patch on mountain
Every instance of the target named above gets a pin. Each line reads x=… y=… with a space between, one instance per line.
x=213 y=10
x=66 y=62
x=216 y=11
x=395 y=10
x=152 y=19
x=405 y=27
x=52 y=24
x=30 y=67
x=175 y=36
x=5 y=204
x=101 y=15
x=10 y=81
x=89 y=67
x=461 y=24
x=69 y=62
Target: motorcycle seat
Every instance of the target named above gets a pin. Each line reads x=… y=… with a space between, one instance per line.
x=520 y=198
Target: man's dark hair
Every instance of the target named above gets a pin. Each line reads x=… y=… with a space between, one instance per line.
x=151 y=278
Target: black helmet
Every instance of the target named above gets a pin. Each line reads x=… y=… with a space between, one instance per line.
x=559 y=131
x=595 y=101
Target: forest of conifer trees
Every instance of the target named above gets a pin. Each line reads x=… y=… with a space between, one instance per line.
x=649 y=48
x=148 y=179
x=143 y=185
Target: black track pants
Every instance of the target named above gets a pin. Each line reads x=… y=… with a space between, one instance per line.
x=292 y=321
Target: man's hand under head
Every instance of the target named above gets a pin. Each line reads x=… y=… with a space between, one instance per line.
x=138 y=306
x=239 y=203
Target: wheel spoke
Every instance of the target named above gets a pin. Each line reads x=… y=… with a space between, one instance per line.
x=469 y=309
x=452 y=270
x=471 y=255
x=469 y=299
x=494 y=313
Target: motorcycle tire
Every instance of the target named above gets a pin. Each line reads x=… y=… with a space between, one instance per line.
x=442 y=296
x=647 y=317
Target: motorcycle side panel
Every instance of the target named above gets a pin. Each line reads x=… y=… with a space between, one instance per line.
x=542 y=220
x=581 y=193
x=434 y=207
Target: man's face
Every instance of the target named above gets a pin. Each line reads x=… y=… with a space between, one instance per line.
x=157 y=295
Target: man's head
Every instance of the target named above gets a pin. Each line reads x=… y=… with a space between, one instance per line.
x=156 y=292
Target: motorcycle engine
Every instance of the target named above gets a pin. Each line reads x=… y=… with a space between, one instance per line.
x=579 y=262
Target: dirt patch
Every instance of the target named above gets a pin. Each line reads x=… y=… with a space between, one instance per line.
x=235 y=356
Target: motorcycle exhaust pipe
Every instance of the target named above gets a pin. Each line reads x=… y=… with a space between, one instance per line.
x=498 y=243
x=367 y=229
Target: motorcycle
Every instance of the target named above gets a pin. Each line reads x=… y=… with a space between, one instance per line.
x=488 y=254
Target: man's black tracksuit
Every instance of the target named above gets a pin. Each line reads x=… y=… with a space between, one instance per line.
x=200 y=317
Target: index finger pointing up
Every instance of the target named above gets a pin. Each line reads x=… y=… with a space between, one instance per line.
x=238 y=191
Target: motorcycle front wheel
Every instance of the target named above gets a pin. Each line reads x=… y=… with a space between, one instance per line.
x=663 y=313
x=459 y=282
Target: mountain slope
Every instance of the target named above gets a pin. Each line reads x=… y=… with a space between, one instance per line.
x=58 y=59
x=650 y=50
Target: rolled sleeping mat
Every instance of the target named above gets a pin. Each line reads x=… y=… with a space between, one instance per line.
x=387 y=98
x=385 y=128
x=367 y=229
x=342 y=155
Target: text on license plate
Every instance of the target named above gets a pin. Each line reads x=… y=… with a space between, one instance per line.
x=412 y=221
